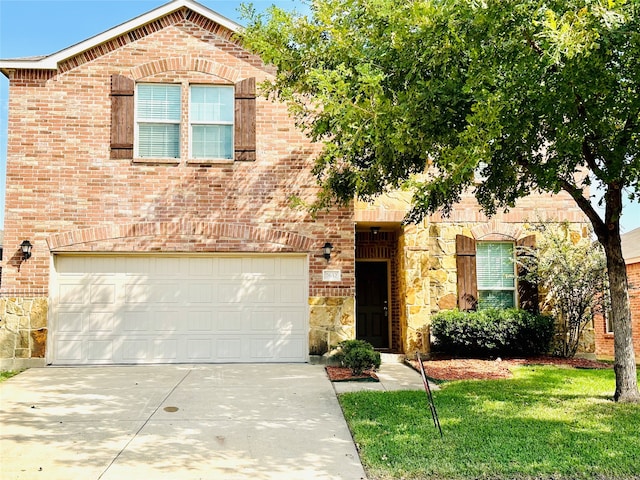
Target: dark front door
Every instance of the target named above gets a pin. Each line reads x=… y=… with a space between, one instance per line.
x=372 y=303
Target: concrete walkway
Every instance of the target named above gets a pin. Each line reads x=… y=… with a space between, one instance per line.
x=392 y=375
x=175 y=422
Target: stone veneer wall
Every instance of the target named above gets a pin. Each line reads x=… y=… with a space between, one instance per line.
x=428 y=276
x=331 y=320
x=23 y=332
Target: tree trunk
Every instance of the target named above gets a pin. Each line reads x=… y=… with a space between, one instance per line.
x=625 y=364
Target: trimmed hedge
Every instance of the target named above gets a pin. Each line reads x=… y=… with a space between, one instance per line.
x=491 y=332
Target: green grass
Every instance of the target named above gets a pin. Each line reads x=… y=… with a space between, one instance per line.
x=546 y=423
x=7 y=374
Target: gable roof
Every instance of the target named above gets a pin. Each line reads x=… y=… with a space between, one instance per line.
x=50 y=62
x=631 y=246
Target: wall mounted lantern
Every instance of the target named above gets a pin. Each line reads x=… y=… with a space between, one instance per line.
x=375 y=230
x=26 y=246
x=326 y=251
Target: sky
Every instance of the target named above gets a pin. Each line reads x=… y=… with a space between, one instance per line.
x=43 y=27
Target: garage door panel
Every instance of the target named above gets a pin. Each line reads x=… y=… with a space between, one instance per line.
x=199 y=349
x=263 y=321
x=293 y=292
x=99 y=350
x=229 y=349
x=164 y=350
x=290 y=347
x=135 y=350
x=72 y=293
x=69 y=350
x=293 y=267
x=102 y=294
x=69 y=322
x=263 y=266
x=100 y=322
x=289 y=321
x=135 y=321
x=202 y=267
x=201 y=292
x=232 y=267
x=231 y=320
x=185 y=309
x=201 y=321
x=262 y=348
x=166 y=321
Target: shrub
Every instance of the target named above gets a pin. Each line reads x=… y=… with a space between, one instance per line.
x=358 y=356
x=492 y=332
x=572 y=272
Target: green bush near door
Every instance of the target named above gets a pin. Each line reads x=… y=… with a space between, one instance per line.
x=358 y=356
x=492 y=332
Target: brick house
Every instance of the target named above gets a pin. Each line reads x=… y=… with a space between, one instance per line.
x=154 y=183
x=603 y=328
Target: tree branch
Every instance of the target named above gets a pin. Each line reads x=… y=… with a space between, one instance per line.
x=599 y=226
x=534 y=46
x=590 y=158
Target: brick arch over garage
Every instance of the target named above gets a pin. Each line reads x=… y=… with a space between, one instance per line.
x=186 y=63
x=81 y=240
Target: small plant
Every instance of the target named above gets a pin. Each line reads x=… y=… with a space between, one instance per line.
x=358 y=356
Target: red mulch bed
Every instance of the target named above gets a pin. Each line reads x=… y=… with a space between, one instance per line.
x=473 y=369
x=343 y=374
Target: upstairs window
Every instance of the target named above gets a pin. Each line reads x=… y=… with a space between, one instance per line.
x=158 y=120
x=218 y=124
x=496 y=274
x=211 y=117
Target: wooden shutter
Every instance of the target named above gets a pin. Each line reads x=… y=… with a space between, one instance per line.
x=122 y=116
x=245 y=120
x=466 y=267
x=527 y=291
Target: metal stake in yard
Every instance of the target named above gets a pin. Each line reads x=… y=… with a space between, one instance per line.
x=432 y=406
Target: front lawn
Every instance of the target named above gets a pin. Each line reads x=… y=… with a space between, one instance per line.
x=5 y=374
x=545 y=423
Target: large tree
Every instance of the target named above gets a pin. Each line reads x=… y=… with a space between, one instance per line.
x=503 y=97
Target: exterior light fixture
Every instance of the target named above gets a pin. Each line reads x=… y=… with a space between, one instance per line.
x=26 y=246
x=326 y=251
x=375 y=230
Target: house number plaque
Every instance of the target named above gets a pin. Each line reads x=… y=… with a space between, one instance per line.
x=331 y=275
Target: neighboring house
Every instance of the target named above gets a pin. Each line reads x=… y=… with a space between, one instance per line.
x=1 y=241
x=603 y=327
x=155 y=186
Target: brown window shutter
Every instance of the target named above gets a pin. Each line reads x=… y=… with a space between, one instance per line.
x=527 y=291
x=466 y=267
x=122 y=116
x=245 y=120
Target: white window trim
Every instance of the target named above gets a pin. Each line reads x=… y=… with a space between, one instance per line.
x=192 y=124
x=513 y=289
x=137 y=122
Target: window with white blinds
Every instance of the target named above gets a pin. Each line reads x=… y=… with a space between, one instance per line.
x=158 y=116
x=495 y=270
x=211 y=117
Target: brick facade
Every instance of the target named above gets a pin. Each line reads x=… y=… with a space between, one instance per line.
x=66 y=194
x=604 y=339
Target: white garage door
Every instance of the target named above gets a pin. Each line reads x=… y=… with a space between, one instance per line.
x=160 y=309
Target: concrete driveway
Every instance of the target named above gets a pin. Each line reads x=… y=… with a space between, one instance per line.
x=276 y=421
